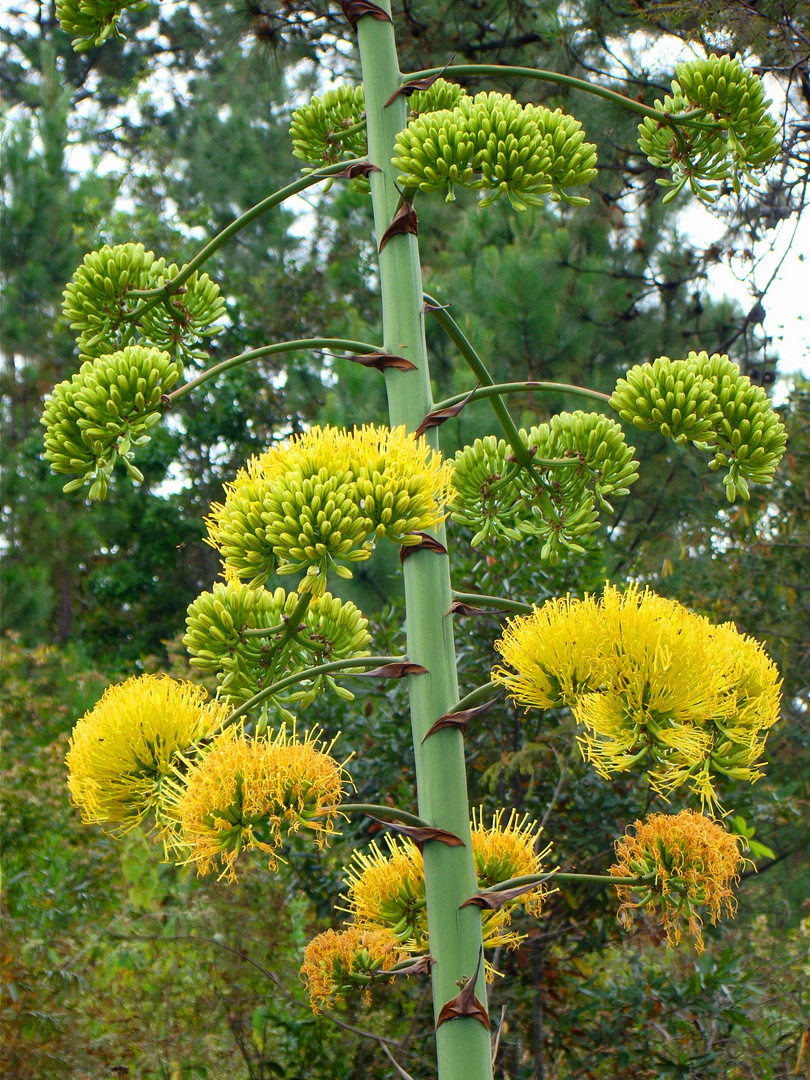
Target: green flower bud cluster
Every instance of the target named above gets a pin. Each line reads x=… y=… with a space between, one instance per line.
x=492 y=143
x=750 y=438
x=312 y=521
x=487 y=495
x=324 y=500
x=440 y=95
x=246 y=663
x=187 y=317
x=96 y=303
x=315 y=125
x=556 y=503
x=573 y=161
x=741 y=139
x=674 y=397
x=104 y=413
x=435 y=152
x=705 y=400
x=91 y=22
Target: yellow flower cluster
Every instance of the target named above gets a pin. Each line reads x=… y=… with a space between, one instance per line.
x=336 y=964
x=244 y=793
x=386 y=896
x=647 y=679
x=155 y=746
x=502 y=852
x=324 y=499
x=125 y=750
x=694 y=863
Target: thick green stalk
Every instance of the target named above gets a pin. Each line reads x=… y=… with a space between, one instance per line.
x=463 y=1045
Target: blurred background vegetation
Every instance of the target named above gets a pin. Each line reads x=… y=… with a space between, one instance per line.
x=116 y=965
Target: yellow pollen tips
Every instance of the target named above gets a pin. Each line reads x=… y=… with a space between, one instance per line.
x=692 y=863
x=647 y=679
x=338 y=964
x=502 y=852
x=123 y=752
x=246 y=793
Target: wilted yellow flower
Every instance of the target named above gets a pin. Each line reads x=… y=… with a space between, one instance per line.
x=695 y=863
x=502 y=852
x=552 y=651
x=245 y=792
x=337 y=964
x=123 y=752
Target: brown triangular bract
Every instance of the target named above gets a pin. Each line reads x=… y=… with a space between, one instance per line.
x=381 y=361
x=434 y=419
x=459 y=719
x=403 y=221
x=465 y=1003
x=413 y=85
x=421 y=836
x=397 y=670
x=354 y=10
x=358 y=168
x=493 y=900
x=427 y=543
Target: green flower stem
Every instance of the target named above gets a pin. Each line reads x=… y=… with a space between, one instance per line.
x=498 y=389
x=337 y=136
x=375 y=810
x=481 y=600
x=263 y=631
x=270 y=350
x=475 y=697
x=479 y=369
x=499 y=70
x=308 y=673
x=463 y=1047
x=591 y=879
x=155 y=296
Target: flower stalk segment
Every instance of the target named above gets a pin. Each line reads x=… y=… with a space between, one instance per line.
x=463 y=1046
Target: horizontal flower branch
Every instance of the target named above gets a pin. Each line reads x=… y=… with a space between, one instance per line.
x=309 y=673
x=360 y=347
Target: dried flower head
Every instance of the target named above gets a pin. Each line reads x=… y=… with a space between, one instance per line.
x=123 y=752
x=693 y=862
x=338 y=964
x=245 y=793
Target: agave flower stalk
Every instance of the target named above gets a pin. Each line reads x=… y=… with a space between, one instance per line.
x=463 y=1045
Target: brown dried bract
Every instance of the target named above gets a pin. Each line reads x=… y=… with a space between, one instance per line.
x=413 y=85
x=465 y=1003
x=439 y=416
x=491 y=901
x=358 y=168
x=459 y=719
x=427 y=543
x=354 y=10
x=397 y=670
x=381 y=361
x=421 y=835
x=403 y=221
